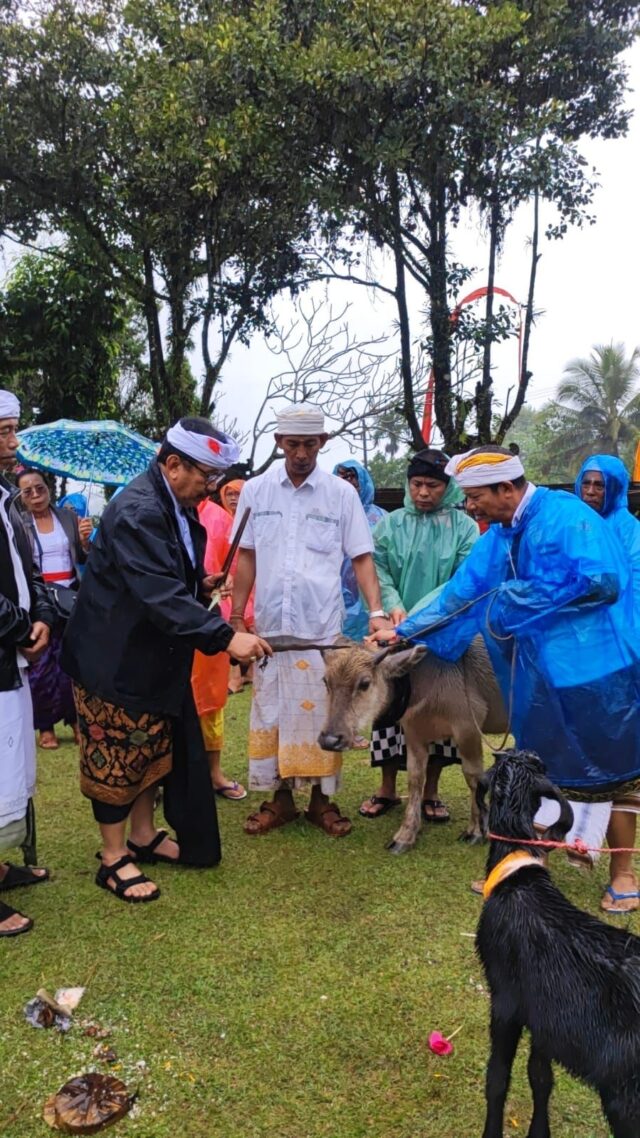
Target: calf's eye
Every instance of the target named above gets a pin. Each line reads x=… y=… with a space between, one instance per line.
x=364 y=684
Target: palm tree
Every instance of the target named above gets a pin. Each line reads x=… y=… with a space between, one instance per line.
x=598 y=404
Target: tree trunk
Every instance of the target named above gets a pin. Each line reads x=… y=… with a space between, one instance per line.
x=441 y=318
x=484 y=398
x=157 y=370
x=525 y=375
x=406 y=369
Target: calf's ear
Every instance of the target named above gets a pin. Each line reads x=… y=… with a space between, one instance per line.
x=398 y=663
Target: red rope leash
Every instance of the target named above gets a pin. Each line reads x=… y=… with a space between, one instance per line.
x=578 y=846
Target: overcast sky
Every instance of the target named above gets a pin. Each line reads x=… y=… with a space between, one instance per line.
x=587 y=285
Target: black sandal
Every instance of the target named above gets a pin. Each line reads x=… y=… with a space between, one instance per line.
x=19 y=875
x=146 y=855
x=122 y=884
x=5 y=912
x=435 y=819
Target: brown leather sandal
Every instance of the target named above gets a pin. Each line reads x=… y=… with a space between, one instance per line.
x=267 y=818
x=330 y=820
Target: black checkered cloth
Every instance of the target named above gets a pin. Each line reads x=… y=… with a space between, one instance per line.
x=388 y=746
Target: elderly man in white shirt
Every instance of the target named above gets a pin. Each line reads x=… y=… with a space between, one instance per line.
x=303 y=523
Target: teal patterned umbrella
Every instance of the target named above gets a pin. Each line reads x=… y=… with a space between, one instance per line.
x=97 y=451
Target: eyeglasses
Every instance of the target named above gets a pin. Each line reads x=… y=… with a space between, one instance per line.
x=33 y=491
x=211 y=477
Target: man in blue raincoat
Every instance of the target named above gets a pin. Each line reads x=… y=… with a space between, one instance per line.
x=550 y=590
x=603 y=484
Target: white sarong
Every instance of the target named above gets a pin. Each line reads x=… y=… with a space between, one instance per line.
x=590 y=821
x=17 y=759
x=287 y=715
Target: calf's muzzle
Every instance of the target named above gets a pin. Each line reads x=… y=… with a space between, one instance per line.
x=332 y=742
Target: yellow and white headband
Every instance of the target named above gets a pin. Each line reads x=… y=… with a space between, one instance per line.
x=484 y=468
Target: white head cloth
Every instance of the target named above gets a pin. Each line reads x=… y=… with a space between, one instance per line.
x=219 y=452
x=484 y=468
x=300 y=419
x=9 y=405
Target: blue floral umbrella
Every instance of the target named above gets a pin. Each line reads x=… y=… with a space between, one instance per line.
x=98 y=451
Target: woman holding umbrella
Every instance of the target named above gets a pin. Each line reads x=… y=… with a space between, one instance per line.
x=60 y=544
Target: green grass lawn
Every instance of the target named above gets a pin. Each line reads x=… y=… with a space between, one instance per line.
x=288 y=993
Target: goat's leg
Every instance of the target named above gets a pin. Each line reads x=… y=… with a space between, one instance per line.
x=505 y=1036
x=621 y=1113
x=541 y=1083
x=417 y=759
x=469 y=744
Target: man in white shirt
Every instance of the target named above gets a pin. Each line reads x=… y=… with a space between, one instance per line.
x=303 y=523
x=26 y=617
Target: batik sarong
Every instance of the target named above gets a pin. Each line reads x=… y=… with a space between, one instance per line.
x=287 y=715
x=120 y=755
x=51 y=688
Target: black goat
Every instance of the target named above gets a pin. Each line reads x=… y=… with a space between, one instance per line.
x=571 y=980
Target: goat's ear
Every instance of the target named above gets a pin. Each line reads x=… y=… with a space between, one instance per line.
x=559 y=829
x=484 y=784
x=398 y=663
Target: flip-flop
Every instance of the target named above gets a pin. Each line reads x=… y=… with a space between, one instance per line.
x=360 y=743
x=615 y=896
x=222 y=791
x=19 y=875
x=386 y=804
x=432 y=819
x=5 y=912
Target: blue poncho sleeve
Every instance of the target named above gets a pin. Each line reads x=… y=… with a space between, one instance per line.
x=465 y=598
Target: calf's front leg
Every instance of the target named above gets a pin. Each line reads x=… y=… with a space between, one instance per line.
x=417 y=759
x=469 y=745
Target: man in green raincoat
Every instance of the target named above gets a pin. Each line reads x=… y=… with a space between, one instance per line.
x=417 y=549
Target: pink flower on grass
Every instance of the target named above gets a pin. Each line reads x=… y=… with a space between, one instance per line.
x=439 y=1045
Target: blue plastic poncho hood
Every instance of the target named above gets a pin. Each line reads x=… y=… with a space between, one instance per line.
x=615 y=511
x=366 y=488
x=75 y=502
x=356 y=621
x=616 y=481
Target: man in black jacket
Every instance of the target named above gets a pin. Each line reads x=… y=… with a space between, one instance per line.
x=140 y=614
x=25 y=620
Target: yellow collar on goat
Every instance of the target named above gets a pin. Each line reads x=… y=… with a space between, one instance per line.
x=509 y=864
